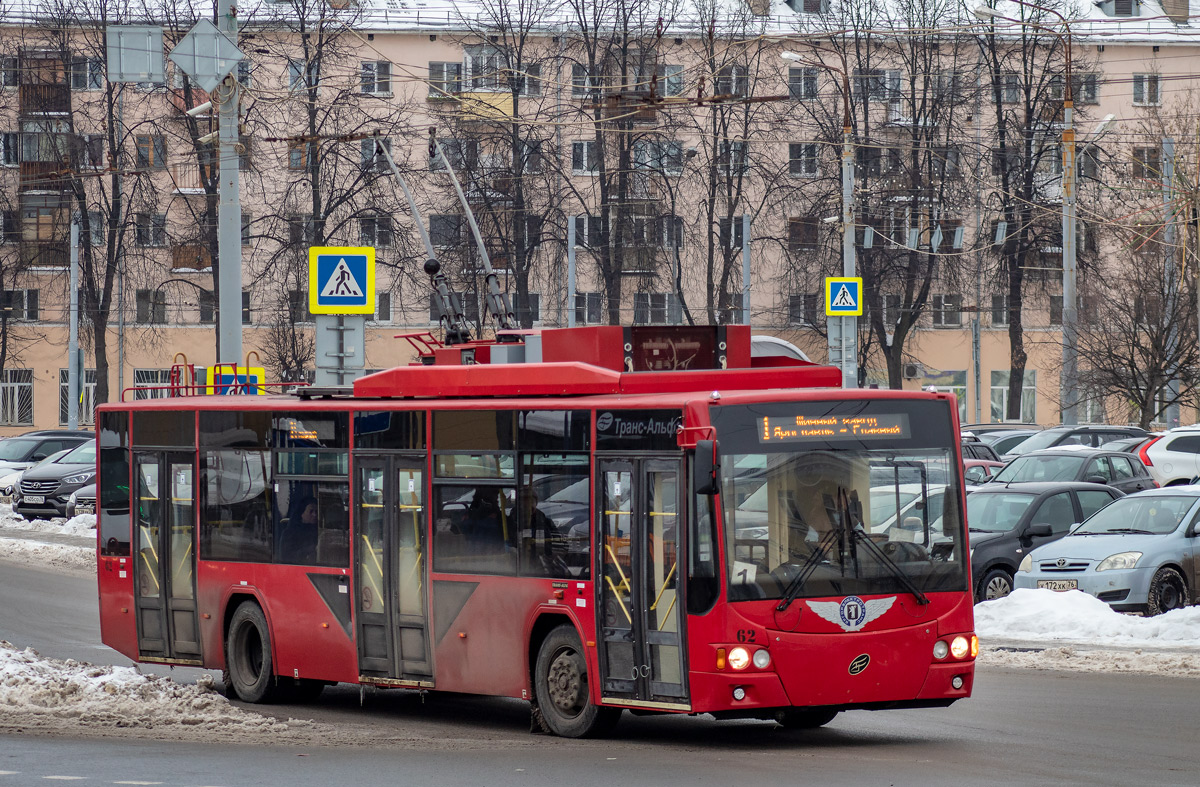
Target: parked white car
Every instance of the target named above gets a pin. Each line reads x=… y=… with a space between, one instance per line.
x=1174 y=457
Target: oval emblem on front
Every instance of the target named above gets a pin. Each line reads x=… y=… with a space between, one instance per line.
x=859 y=664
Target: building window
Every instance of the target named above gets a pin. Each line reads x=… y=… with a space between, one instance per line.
x=1147 y=163
x=733 y=157
x=585 y=157
x=376 y=77
x=589 y=231
x=802 y=309
x=299 y=76
x=1009 y=86
x=246 y=311
x=445 y=79
x=302 y=231
x=947 y=311
x=529 y=80
x=802 y=159
x=1146 y=91
x=151 y=383
x=208 y=306
x=151 y=229
x=527 y=306
x=1084 y=88
x=731 y=236
x=463 y=154
x=9 y=71
x=44 y=140
x=383 y=308
x=151 y=151
x=485 y=68
x=91 y=151
x=10 y=148
x=891 y=308
x=875 y=84
x=999 y=396
x=952 y=382
x=670 y=232
x=1056 y=310
x=369 y=158
x=297 y=305
x=581 y=81
x=589 y=308
x=466 y=301
x=247 y=220
x=10 y=226
x=999 y=311
x=151 y=307
x=245 y=73
x=733 y=81
x=302 y=156
x=653 y=308
x=802 y=84
x=664 y=156
x=19 y=304
x=16 y=397
x=445 y=229
x=375 y=231
x=802 y=233
x=87 y=396
x=87 y=73
x=670 y=79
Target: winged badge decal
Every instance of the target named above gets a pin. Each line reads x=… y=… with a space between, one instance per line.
x=852 y=613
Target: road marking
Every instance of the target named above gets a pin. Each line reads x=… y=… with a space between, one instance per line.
x=65 y=778
x=10 y=773
x=137 y=782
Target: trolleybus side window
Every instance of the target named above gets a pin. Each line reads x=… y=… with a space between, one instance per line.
x=113 y=509
x=703 y=584
x=312 y=493
x=394 y=430
x=236 y=517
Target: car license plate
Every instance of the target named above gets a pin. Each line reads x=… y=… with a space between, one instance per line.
x=39 y=499
x=85 y=509
x=1058 y=584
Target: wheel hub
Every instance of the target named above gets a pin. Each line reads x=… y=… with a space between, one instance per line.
x=565 y=682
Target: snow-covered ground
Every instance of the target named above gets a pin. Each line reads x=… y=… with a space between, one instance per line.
x=59 y=556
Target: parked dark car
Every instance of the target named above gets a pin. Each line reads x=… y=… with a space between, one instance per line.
x=26 y=450
x=974 y=448
x=1093 y=435
x=45 y=490
x=1128 y=445
x=1004 y=442
x=1076 y=463
x=1006 y=521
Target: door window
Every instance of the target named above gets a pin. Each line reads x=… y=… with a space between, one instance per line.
x=1100 y=467
x=1122 y=468
x=1091 y=501
x=1057 y=512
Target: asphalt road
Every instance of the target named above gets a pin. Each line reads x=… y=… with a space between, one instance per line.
x=1021 y=727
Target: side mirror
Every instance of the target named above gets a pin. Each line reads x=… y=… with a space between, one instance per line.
x=706 y=468
x=1040 y=530
x=37 y=457
x=1096 y=479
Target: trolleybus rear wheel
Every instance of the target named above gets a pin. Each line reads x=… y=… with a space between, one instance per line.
x=562 y=689
x=248 y=654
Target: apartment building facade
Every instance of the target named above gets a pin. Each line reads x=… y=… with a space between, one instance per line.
x=636 y=151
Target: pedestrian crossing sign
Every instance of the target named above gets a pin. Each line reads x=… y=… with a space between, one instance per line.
x=341 y=280
x=843 y=296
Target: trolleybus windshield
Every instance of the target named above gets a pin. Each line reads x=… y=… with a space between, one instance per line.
x=839 y=498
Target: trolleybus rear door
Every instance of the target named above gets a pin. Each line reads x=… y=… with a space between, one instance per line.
x=166 y=556
x=393 y=633
x=640 y=607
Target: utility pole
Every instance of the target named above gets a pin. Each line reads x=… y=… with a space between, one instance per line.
x=229 y=211
x=73 y=334
x=1171 y=283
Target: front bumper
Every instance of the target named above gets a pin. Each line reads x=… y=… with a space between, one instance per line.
x=1123 y=589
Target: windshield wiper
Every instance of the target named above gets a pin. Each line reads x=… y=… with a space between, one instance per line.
x=1131 y=530
x=810 y=565
x=897 y=572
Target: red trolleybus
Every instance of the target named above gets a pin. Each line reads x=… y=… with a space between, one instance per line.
x=623 y=518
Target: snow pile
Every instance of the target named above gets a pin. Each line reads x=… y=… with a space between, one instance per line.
x=37 y=692
x=1074 y=616
x=82 y=525
x=57 y=556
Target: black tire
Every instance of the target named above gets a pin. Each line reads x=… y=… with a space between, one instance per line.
x=302 y=690
x=1168 y=591
x=562 y=689
x=248 y=655
x=797 y=719
x=996 y=583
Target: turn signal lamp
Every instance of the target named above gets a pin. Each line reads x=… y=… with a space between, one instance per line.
x=720 y=658
x=974 y=646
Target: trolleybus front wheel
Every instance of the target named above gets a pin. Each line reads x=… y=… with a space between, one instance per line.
x=562 y=689
x=248 y=654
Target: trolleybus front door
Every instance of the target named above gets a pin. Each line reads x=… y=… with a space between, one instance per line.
x=640 y=607
x=393 y=633
x=166 y=556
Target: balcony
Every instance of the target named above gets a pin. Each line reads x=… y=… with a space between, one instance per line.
x=45 y=254
x=45 y=175
x=188 y=178
x=190 y=257
x=45 y=98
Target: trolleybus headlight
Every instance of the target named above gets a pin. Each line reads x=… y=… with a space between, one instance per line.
x=762 y=659
x=940 y=649
x=739 y=658
x=959 y=647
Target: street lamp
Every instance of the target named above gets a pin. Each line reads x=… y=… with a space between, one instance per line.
x=846 y=342
x=1068 y=382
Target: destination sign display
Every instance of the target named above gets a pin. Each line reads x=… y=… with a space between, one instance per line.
x=806 y=428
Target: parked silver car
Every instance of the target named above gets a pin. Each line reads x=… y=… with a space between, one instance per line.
x=1140 y=553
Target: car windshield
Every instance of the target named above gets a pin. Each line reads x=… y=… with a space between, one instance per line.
x=807 y=517
x=997 y=513
x=15 y=449
x=1041 y=468
x=1036 y=441
x=1149 y=514
x=82 y=454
